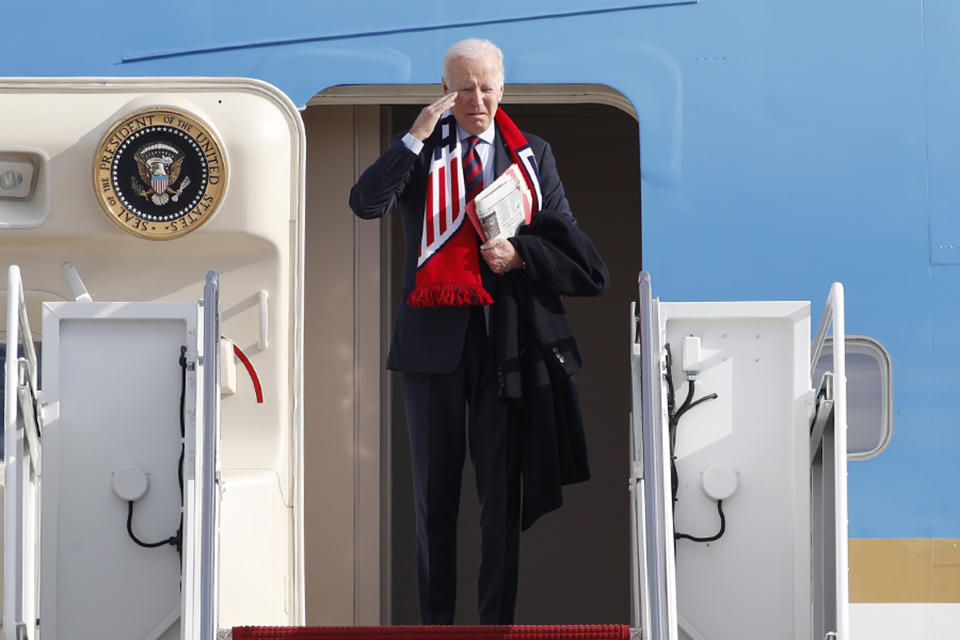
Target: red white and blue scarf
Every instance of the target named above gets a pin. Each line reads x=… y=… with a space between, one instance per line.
x=448 y=265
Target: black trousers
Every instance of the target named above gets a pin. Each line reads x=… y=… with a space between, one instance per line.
x=436 y=407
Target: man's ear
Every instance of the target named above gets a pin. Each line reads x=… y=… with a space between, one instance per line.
x=443 y=83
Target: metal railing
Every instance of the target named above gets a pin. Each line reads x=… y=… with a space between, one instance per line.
x=654 y=569
x=22 y=431
x=828 y=461
x=210 y=466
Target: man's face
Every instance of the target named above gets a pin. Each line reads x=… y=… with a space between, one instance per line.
x=479 y=89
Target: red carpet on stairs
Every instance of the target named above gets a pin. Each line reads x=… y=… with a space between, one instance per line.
x=517 y=632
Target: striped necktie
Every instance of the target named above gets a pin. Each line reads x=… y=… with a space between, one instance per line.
x=472 y=169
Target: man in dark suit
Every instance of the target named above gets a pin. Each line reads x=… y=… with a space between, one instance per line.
x=446 y=353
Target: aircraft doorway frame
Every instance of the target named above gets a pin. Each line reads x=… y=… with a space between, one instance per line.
x=372 y=395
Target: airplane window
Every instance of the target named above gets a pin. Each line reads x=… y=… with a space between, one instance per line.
x=869 y=394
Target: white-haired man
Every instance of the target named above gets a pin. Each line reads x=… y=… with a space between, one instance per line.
x=452 y=336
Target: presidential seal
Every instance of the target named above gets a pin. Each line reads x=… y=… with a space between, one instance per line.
x=160 y=173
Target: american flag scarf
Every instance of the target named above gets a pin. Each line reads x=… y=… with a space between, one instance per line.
x=448 y=264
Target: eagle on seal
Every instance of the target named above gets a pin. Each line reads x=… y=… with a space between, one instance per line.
x=159 y=165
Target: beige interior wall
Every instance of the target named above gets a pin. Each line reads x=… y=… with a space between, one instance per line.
x=341 y=546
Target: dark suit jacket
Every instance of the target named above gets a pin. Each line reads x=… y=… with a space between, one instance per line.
x=429 y=340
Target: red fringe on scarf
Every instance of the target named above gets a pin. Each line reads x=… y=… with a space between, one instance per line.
x=448 y=295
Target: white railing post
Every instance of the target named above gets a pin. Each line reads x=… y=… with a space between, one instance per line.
x=22 y=467
x=833 y=316
x=209 y=503
x=653 y=515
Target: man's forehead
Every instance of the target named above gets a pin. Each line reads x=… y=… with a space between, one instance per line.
x=473 y=66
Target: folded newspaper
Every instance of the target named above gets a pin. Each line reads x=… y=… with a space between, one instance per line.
x=502 y=206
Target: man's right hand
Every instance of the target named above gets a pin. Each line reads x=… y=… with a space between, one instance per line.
x=424 y=124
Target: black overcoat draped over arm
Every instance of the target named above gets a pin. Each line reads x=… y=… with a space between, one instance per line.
x=537 y=354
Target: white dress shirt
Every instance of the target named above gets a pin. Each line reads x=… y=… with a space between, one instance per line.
x=484 y=148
